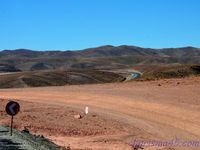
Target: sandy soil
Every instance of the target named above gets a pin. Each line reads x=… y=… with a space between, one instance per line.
x=119 y=113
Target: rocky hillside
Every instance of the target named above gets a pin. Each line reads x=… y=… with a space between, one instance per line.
x=100 y=57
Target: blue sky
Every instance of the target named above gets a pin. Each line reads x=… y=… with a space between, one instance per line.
x=79 y=24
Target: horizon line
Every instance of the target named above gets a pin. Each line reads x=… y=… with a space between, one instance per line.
x=29 y=49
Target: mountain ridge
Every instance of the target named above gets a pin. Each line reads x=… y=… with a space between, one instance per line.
x=102 y=51
x=97 y=47
x=106 y=56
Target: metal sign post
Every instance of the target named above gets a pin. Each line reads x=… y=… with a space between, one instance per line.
x=11 y=126
x=12 y=108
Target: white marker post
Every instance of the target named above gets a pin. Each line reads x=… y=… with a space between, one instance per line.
x=86 y=110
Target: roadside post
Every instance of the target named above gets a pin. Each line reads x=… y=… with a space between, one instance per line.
x=86 y=110
x=12 y=108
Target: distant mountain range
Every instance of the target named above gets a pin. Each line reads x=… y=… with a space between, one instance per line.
x=100 y=57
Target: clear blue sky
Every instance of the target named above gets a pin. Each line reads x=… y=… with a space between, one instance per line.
x=79 y=24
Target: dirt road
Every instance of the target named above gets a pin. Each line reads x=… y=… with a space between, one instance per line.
x=156 y=110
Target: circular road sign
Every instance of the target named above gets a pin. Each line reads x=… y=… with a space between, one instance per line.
x=12 y=108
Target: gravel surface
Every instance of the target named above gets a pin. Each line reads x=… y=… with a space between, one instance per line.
x=23 y=141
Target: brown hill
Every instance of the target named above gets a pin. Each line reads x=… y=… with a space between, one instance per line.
x=100 y=57
x=57 y=78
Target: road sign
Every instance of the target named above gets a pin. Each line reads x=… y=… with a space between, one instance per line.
x=12 y=108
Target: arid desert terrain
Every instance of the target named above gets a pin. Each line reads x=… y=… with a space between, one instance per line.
x=119 y=113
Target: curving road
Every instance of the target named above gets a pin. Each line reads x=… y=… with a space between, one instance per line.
x=129 y=74
x=133 y=75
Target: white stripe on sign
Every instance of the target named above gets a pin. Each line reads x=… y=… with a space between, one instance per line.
x=11 y=108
